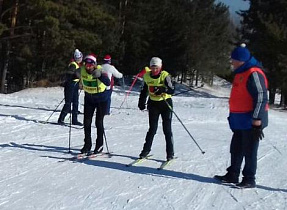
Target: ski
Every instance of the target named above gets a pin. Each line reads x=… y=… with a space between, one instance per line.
x=64 y=125
x=165 y=164
x=102 y=154
x=91 y=156
x=138 y=160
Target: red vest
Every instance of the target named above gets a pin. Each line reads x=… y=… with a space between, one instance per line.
x=240 y=99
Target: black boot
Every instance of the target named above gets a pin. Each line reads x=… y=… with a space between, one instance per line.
x=75 y=120
x=227 y=178
x=87 y=146
x=144 y=154
x=98 y=150
x=247 y=183
x=62 y=117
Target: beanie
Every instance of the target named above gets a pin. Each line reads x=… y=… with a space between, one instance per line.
x=78 y=55
x=241 y=53
x=155 y=61
x=91 y=59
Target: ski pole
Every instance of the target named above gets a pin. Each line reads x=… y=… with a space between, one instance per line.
x=106 y=143
x=131 y=87
x=54 y=110
x=183 y=126
x=70 y=132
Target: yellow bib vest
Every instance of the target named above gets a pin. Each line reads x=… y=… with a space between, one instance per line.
x=158 y=82
x=77 y=66
x=91 y=85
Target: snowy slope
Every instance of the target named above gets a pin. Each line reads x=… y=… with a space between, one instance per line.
x=36 y=172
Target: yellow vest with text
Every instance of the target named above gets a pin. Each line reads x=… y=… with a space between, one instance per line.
x=77 y=66
x=90 y=84
x=158 y=82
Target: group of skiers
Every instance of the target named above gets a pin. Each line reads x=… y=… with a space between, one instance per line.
x=248 y=106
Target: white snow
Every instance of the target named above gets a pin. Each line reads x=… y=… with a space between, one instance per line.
x=36 y=172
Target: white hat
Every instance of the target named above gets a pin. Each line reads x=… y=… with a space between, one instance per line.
x=78 y=55
x=90 y=59
x=155 y=61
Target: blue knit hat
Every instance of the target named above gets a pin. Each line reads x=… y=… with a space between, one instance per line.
x=241 y=53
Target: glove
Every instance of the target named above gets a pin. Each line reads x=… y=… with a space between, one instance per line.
x=141 y=105
x=257 y=132
x=97 y=73
x=159 y=90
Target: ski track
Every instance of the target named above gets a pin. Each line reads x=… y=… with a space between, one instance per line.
x=41 y=177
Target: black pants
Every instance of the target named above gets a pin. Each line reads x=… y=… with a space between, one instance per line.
x=243 y=145
x=91 y=104
x=71 y=97
x=157 y=108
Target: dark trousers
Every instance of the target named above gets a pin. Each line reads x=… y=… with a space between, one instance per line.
x=243 y=145
x=89 y=108
x=108 y=110
x=155 y=110
x=71 y=97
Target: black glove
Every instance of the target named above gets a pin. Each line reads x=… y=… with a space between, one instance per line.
x=159 y=90
x=257 y=132
x=141 y=105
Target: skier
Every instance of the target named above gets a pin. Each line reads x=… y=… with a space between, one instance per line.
x=112 y=72
x=159 y=87
x=94 y=82
x=248 y=116
x=71 y=90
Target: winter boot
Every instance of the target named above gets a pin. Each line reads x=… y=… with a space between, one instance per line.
x=87 y=147
x=168 y=158
x=62 y=118
x=246 y=183
x=144 y=154
x=77 y=123
x=98 y=150
x=227 y=178
x=75 y=120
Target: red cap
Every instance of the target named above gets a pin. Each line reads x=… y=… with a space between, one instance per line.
x=107 y=57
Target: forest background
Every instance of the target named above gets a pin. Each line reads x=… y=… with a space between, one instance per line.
x=194 y=38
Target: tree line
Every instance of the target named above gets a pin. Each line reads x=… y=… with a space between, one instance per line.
x=194 y=38
x=38 y=37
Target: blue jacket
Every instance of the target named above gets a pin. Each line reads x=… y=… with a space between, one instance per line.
x=257 y=89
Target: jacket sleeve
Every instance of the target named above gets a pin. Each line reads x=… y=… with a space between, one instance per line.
x=78 y=72
x=116 y=73
x=258 y=90
x=143 y=94
x=105 y=79
x=168 y=83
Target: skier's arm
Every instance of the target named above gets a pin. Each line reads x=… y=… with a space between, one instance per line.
x=143 y=97
x=116 y=73
x=168 y=83
x=258 y=90
x=105 y=79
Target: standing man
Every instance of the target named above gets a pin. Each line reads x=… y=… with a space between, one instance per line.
x=71 y=90
x=112 y=72
x=94 y=84
x=158 y=86
x=248 y=105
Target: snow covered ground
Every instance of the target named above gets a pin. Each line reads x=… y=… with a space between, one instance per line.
x=36 y=172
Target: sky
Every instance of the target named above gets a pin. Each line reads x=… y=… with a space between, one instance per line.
x=235 y=5
x=38 y=173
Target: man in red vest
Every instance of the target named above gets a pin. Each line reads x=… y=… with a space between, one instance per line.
x=248 y=106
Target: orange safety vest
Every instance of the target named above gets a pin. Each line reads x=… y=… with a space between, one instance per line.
x=240 y=99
